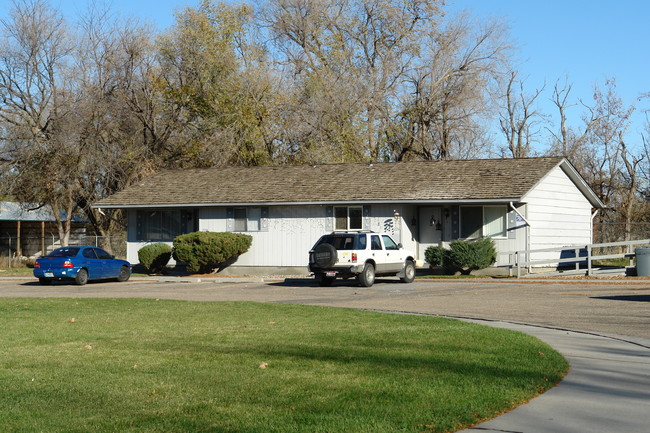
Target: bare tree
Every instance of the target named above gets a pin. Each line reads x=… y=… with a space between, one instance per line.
x=83 y=116
x=449 y=93
x=119 y=122
x=37 y=109
x=571 y=141
x=630 y=187
x=609 y=117
x=519 y=118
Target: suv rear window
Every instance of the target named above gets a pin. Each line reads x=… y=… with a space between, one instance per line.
x=345 y=242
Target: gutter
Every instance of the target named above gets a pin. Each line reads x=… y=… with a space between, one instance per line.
x=303 y=203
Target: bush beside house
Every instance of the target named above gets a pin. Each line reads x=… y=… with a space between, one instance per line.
x=154 y=257
x=206 y=251
x=463 y=256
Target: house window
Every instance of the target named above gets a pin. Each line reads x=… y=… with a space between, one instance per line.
x=483 y=221
x=247 y=219
x=164 y=225
x=494 y=221
x=348 y=218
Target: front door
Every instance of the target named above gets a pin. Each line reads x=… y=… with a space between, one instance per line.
x=430 y=227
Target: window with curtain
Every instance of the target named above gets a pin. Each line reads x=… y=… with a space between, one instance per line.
x=165 y=224
x=247 y=219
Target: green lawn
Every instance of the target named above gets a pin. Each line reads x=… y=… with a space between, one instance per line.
x=107 y=365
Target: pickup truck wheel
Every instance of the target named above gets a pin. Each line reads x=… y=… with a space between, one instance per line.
x=409 y=272
x=325 y=255
x=367 y=277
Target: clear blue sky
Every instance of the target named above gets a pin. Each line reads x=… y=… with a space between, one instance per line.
x=585 y=40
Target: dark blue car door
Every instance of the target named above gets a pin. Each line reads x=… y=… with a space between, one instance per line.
x=91 y=263
x=110 y=267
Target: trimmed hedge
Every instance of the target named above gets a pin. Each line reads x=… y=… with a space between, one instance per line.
x=436 y=256
x=463 y=256
x=470 y=256
x=205 y=251
x=154 y=257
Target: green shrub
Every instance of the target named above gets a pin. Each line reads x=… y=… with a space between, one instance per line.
x=154 y=257
x=205 y=251
x=469 y=256
x=436 y=256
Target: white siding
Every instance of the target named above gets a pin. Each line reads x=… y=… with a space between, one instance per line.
x=515 y=240
x=559 y=214
x=292 y=230
x=290 y=233
x=383 y=219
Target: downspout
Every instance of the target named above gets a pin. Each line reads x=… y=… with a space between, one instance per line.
x=591 y=241
x=512 y=206
x=593 y=215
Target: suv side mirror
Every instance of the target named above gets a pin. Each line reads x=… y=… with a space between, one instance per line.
x=400 y=246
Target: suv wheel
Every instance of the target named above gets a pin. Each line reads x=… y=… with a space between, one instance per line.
x=325 y=255
x=409 y=272
x=367 y=277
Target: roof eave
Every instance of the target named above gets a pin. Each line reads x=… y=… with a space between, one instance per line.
x=582 y=185
x=505 y=200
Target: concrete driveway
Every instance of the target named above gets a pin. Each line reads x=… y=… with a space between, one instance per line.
x=602 y=328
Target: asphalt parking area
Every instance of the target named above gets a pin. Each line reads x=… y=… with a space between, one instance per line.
x=619 y=307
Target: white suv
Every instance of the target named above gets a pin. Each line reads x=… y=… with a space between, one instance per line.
x=363 y=255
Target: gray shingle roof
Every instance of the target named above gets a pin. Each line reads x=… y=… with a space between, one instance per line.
x=488 y=179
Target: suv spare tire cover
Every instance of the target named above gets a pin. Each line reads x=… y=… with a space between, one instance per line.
x=325 y=255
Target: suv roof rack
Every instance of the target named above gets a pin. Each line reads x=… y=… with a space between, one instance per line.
x=352 y=231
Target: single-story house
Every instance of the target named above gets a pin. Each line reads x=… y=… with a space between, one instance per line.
x=30 y=230
x=521 y=203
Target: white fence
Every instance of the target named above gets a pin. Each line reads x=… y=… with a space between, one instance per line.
x=577 y=255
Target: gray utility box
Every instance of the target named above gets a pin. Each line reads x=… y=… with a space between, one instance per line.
x=642 y=261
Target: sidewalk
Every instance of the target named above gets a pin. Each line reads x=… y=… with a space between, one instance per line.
x=607 y=389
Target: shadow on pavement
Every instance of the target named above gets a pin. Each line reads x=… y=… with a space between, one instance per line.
x=633 y=298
